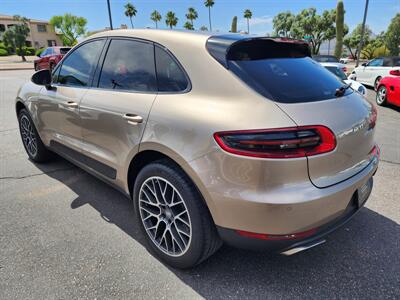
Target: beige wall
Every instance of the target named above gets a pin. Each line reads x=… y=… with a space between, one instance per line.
x=37 y=39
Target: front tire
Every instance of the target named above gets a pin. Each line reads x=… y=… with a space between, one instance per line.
x=381 y=96
x=33 y=145
x=173 y=216
x=376 y=83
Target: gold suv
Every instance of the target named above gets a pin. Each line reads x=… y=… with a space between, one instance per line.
x=230 y=138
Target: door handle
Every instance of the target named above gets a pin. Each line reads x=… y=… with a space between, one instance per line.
x=71 y=104
x=132 y=119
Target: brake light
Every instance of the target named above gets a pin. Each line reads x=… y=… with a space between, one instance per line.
x=372 y=117
x=395 y=72
x=276 y=237
x=288 y=142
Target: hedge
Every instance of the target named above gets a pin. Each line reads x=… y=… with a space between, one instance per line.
x=28 y=51
x=39 y=51
x=3 y=52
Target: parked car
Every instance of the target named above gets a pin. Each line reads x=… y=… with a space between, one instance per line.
x=372 y=72
x=333 y=68
x=389 y=89
x=50 y=57
x=330 y=59
x=252 y=143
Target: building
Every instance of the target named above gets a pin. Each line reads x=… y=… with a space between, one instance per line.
x=41 y=34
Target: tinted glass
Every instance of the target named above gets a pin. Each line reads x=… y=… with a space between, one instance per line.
x=376 y=62
x=129 y=65
x=170 y=76
x=288 y=80
x=78 y=67
x=338 y=72
x=325 y=58
x=396 y=61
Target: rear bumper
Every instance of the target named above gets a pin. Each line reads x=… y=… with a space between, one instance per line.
x=292 y=246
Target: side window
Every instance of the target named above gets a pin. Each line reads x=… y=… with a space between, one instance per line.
x=129 y=65
x=78 y=67
x=44 y=53
x=378 y=62
x=170 y=76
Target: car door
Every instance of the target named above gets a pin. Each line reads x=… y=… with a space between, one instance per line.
x=58 y=107
x=114 y=112
x=372 y=70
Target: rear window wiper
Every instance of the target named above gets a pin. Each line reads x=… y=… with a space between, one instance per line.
x=340 y=91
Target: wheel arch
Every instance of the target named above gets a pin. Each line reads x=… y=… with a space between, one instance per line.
x=19 y=105
x=147 y=156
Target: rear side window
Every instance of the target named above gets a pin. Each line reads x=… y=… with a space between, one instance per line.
x=378 y=62
x=78 y=67
x=129 y=65
x=282 y=71
x=170 y=76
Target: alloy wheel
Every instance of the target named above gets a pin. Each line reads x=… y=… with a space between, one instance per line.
x=28 y=135
x=381 y=95
x=165 y=216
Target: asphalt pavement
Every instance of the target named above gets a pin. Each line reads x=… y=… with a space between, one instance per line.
x=65 y=234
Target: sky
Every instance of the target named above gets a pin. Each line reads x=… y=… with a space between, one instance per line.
x=380 y=12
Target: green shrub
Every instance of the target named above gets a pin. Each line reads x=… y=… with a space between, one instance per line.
x=3 y=52
x=28 y=51
x=2 y=46
x=39 y=51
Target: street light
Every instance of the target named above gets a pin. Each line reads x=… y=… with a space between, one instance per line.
x=362 y=33
x=109 y=14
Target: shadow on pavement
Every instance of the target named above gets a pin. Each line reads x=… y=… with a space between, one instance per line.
x=360 y=260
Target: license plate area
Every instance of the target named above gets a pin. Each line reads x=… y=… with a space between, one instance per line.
x=363 y=192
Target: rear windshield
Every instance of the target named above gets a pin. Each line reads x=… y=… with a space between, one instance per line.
x=288 y=80
x=325 y=58
x=338 y=72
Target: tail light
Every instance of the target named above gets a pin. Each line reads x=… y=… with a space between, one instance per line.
x=289 y=142
x=344 y=69
x=372 y=117
x=395 y=72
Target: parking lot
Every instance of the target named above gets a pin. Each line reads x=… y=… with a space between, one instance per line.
x=65 y=234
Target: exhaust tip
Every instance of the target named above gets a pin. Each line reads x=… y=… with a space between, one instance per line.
x=303 y=248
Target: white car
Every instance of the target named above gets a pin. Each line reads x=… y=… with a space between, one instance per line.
x=331 y=59
x=372 y=72
x=358 y=87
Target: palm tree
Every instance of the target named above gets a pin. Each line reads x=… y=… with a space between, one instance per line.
x=188 y=26
x=191 y=15
x=209 y=4
x=130 y=11
x=170 y=19
x=156 y=17
x=248 y=14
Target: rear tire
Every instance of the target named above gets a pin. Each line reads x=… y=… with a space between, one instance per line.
x=33 y=145
x=173 y=216
x=381 y=96
x=376 y=83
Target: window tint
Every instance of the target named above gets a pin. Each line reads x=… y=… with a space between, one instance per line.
x=288 y=80
x=396 y=61
x=129 y=65
x=78 y=67
x=378 y=62
x=170 y=76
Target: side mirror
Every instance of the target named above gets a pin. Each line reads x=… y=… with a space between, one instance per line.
x=364 y=64
x=42 y=77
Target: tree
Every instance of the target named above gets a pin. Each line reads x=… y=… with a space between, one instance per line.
x=353 y=40
x=155 y=17
x=313 y=27
x=248 y=14
x=130 y=11
x=392 y=39
x=170 y=19
x=282 y=24
x=188 y=25
x=191 y=15
x=203 y=28
x=15 y=37
x=70 y=26
x=209 y=4
x=234 y=24
x=339 y=29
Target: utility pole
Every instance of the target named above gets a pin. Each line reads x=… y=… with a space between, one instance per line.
x=109 y=14
x=362 y=33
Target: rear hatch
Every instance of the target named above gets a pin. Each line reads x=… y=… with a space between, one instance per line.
x=283 y=71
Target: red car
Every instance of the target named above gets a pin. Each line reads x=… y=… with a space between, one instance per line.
x=389 y=89
x=50 y=57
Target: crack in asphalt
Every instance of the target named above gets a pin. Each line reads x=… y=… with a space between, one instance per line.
x=34 y=175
